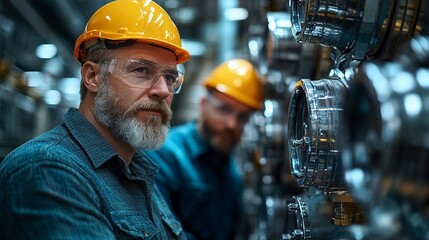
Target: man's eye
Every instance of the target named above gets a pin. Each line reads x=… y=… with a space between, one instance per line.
x=225 y=109
x=143 y=69
x=243 y=118
x=171 y=78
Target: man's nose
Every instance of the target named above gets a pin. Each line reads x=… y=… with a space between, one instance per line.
x=159 y=87
x=232 y=121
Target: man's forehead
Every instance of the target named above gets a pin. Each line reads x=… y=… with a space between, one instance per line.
x=148 y=52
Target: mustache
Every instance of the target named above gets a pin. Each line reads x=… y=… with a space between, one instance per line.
x=152 y=105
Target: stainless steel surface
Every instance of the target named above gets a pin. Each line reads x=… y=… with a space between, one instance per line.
x=386 y=125
x=272 y=138
x=401 y=29
x=386 y=144
x=272 y=47
x=313 y=127
x=282 y=52
x=329 y=23
x=366 y=29
x=381 y=132
x=298 y=222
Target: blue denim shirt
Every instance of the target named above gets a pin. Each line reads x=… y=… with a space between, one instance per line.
x=69 y=183
x=201 y=189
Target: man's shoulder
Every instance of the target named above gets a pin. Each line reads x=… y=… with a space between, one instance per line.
x=52 y=146
x=182 y=130
x=173 y=147
x=182 y=134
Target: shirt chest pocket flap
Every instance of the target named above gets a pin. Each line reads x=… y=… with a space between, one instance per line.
x=128 y=224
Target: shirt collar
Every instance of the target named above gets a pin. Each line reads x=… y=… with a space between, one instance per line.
x=98 y=149
x=201 y=151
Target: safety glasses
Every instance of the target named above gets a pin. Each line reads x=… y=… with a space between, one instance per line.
x=143 y=74
x=226 y=111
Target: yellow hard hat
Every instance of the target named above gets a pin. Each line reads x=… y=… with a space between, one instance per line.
x=239 y=80
x=139 y=20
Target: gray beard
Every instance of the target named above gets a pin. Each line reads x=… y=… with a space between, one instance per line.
x=140 y=135
x=208 y=135
x=148 y=136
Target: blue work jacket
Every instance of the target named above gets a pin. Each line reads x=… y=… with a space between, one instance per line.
x=202 y=190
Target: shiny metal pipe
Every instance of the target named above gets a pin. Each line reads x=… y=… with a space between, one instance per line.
x=283 y=53
x=405 y=15
x=370 y=29
x=274 y=49
x=327 y=22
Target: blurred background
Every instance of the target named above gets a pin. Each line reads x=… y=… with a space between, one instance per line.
x=340 y=149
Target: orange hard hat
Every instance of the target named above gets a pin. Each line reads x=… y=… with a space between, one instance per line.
x=238 y=79
x=139 y=20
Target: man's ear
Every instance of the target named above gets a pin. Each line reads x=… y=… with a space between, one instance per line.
x=91 y=75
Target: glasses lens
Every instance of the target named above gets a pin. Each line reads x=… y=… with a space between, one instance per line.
x=144 y=74
x=226 y=111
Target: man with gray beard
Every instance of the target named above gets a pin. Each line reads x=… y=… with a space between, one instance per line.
x=85 y=179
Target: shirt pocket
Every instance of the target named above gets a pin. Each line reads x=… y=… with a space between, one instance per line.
x=168 y=218
x=174 y=226
x=129 y=225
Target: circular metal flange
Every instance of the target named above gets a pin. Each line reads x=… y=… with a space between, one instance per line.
x=314 y=128
x=326 y=23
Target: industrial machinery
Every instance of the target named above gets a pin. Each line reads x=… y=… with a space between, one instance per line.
x=280 y=59
x=358 y=32
x=355 y=134
x=386 y=143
